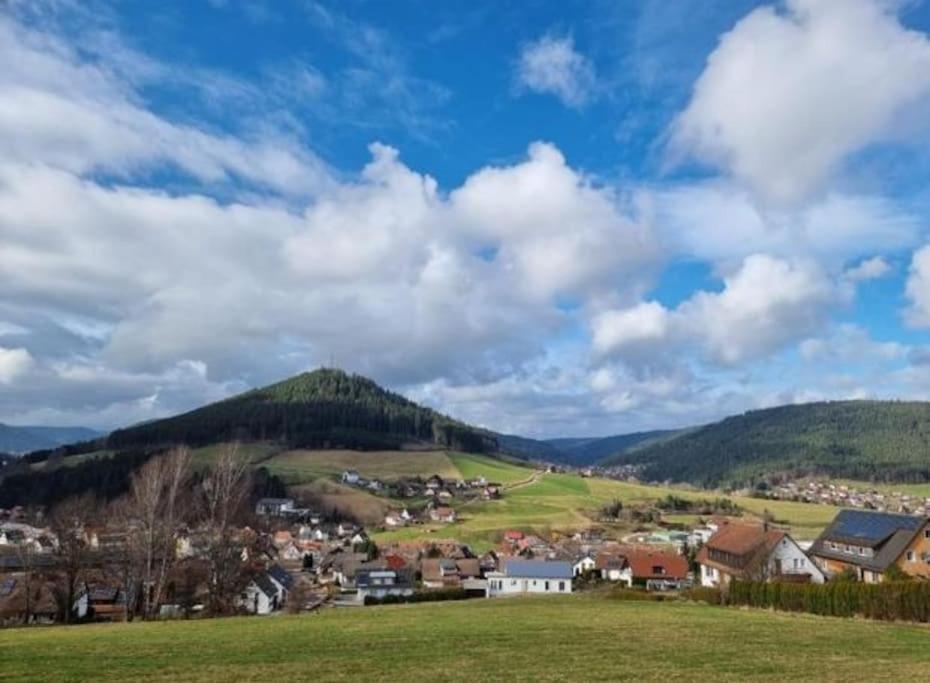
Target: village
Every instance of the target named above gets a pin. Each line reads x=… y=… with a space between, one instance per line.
x=291 y=558
x=847 y=495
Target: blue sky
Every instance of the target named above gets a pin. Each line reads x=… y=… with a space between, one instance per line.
x=552 y=218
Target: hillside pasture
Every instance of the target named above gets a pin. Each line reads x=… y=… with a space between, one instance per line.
x=567 y=502
x=361 y=505
x=555 y=638
x=300 y=466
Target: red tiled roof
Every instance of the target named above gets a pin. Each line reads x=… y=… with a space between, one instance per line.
x=739 y=539
x=395 y=562
x=648 y=564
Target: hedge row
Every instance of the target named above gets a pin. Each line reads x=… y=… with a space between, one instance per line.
x=889 y=600
x=426 y=596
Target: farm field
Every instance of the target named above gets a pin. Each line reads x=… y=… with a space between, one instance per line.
x=922 y=490
x=556 y=638
x=565 y=502
x=301 y=466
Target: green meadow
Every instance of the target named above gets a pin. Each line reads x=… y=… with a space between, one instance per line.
x=556 y=638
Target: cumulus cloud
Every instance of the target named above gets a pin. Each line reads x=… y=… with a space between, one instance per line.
x=552 y=65
x=788 y=95
x=918 y=289
x=718 y=221
x=165 y=300
x=764 y=304
x=13 y=363
x=868 y=269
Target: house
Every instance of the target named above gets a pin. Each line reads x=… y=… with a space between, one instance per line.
x=274 y=507
x=263 y=595
x=611 y=566
x=380 y=583
x=583 y=565
x=656 y=570
x=754 y=552
x=350 y=477
x=492 y=492
x=13 y=600
x=101 y=602
x=394 y=520
x=870 y=543
x=513 y=537
x=488 y=562
x=442 y=514
x=434 y=483
x=522 y=577
x=449 y=573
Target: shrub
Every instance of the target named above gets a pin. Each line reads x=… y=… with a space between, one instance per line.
x=890 y=600
x=425 y=596
x=712 y=596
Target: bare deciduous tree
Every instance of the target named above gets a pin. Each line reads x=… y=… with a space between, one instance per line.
x=153 y=511
x=68 y=522
x=225 y=492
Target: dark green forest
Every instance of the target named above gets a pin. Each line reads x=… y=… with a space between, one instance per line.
x=322 y=409
x=868 y=440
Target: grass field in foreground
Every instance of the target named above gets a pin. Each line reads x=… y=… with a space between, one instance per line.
x=563 y=638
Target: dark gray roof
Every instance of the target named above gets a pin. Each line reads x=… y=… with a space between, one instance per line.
x=888 y=535
x=266 y=585
x=538 y=569
x=280 y=574
x=402 y=578
x=865 y=527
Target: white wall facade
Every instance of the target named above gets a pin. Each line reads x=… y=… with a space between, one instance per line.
x=500 y=585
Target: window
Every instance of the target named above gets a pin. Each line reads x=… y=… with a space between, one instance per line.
x=561 y=586
x=547 y=585
x=513 y=582
x=927 y=533
x=910 y=555
x=862 y=551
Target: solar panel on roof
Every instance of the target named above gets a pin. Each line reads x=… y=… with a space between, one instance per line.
x=872 y=526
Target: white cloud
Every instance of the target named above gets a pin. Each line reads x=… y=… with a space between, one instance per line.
x=918 y=289
x=556 y=230
x=719 y=222
x=551 y=65
x=868 y=269
x=60 y=109
x=639 y=326
x=788 y=95
x=14 y=363
x=849 y=343
x=764 y=305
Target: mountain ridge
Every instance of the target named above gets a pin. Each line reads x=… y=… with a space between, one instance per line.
x=19 y=439
x=869 y=440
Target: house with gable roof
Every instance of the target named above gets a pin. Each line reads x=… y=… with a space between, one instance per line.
x=869 y=543
x=754 y=552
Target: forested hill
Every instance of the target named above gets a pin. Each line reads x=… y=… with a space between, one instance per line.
x=324 y=408
x=884 y=441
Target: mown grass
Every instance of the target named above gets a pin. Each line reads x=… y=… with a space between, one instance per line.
x=564 y=638
x=472 y=466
